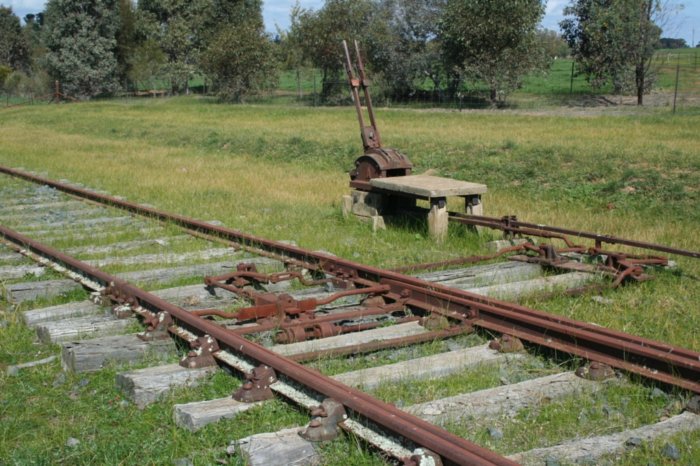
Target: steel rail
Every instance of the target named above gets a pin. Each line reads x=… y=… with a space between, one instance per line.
x=453 y=449
x=669 y=364
x=517 y=226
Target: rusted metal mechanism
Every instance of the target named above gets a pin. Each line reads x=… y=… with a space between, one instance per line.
x=621 y=267
x=363 y=407
x=300 y=320
x=281 y=306
x=377 y=161
x=651 y=359
x=512 y=227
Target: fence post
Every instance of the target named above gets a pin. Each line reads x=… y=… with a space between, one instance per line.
x=675 y=92
x=314 y=88
x=571 y=86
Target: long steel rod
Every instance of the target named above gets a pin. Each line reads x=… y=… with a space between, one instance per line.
x=453 y=449
x=526 y=228
x=669 y=364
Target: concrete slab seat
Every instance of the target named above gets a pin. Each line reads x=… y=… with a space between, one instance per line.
x=408 y=189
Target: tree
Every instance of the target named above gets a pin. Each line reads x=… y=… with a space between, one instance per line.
x=553 y=43
x=494 y=42
x=614 y=41
x=179 y=27
x=411 y=52
x=126 y=38
x=29 y=86
x=319 y=34
x=33 y=35
x=5 y=71
x=14 y=50
x=146 y=63
x=80 y=38
x=669 y=43
x=240 y=60
x=237 y=53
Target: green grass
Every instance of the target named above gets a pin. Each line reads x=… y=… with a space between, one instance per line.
x=280 y=172
x=687 y=61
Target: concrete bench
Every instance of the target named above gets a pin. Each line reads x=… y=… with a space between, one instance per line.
x=434 y=189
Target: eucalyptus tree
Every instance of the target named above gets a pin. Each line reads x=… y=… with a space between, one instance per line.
x=613 y=41
x=14 y=50
x=318 y=34
x=80 y=37
x=178 y=27
x=410 y=53
x=493 y=41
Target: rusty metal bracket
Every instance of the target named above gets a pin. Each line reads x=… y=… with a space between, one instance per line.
x=116 y=295
x=257 y=385
x=157 y=327
x=202 y=354
x=324 y=425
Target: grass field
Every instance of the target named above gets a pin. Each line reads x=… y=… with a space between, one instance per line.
x=280 y=172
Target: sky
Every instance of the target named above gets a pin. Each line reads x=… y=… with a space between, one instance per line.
x=276 y=13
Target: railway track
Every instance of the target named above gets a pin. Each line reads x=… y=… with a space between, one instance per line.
x=281 y=315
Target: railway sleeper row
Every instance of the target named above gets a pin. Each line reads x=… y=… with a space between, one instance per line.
x=227 y=357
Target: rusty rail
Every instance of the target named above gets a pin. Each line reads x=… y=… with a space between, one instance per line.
x=453 y=449
x=651 y=359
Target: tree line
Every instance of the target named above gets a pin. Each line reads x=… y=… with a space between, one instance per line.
x=94 y=47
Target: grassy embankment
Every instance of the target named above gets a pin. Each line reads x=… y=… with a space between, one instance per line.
x=280 y=172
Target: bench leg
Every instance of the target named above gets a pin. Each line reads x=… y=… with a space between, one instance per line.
x=474 y=206
x=437 y=219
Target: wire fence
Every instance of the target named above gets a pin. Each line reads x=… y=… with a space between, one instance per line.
x=676 y=87
x=676 y=83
